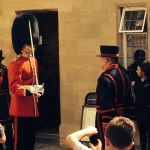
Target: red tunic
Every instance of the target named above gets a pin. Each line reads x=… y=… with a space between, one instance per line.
x=21 y=73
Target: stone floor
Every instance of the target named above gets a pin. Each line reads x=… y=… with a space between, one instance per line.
x=46 y=141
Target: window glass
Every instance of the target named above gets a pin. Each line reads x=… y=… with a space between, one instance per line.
x=133 y=20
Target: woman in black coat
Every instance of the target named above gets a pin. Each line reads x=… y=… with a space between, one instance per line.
x=142 y=103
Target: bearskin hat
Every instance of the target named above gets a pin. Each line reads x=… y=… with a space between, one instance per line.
x=21 y=33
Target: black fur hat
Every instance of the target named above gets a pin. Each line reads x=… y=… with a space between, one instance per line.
x=21 y=33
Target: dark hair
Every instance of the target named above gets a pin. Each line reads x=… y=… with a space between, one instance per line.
x=113 y=60
x=120 y=131
x=145 y=67
x=139 y=53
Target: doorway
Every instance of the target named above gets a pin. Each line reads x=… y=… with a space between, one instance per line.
x=47 y=54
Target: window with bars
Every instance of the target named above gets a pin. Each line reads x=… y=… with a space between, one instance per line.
x=134 y=29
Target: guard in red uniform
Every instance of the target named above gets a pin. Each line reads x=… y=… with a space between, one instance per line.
x=113 y=93
x=22 y=76
x=5 y=118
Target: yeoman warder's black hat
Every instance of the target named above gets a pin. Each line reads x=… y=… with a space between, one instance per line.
x=21 y=33
x=109 y=51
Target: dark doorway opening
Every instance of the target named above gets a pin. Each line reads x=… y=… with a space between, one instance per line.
x=47 y=54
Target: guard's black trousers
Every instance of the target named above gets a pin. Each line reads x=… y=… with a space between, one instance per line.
x=24 y=133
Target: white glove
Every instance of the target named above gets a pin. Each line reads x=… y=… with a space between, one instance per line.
x=41 y=88
x=34 y=89
x=37 y=89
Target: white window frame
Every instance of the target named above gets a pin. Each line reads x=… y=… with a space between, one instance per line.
x=125 y=9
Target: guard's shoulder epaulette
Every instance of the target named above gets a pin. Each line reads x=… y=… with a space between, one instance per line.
x=17 y=57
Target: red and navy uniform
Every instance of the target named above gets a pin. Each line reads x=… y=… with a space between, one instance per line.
x=5 y=118
x=113 y=98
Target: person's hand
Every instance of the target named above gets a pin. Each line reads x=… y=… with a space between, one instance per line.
x=97 y=147
x=2 y=134
x=41 y=87
x=34 y=89
x=37 y=89
x=1 y=131
x=90 y=130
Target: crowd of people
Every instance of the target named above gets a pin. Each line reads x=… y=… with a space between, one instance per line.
x=115 y=104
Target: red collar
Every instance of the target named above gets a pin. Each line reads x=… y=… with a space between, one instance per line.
x=111 y=66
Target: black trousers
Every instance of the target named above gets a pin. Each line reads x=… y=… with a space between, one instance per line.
x=24 y=133
x=100 y=134
x=9 y=138
x=143 y=123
